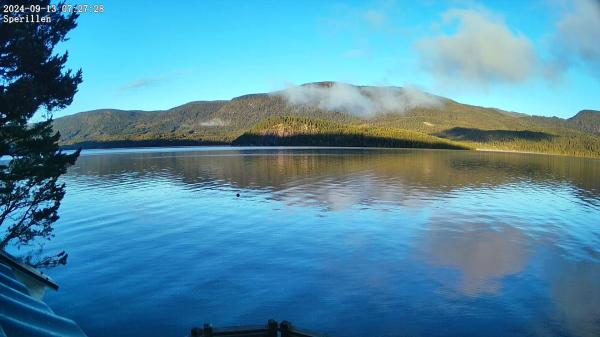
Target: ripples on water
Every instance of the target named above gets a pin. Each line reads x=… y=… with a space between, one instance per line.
x=346 y=241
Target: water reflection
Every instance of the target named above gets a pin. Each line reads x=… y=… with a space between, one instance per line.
x=362 y=175
x=484 y=256
x=576 y=293
x=431 y=243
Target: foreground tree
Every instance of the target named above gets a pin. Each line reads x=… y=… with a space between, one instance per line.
x=32 y=81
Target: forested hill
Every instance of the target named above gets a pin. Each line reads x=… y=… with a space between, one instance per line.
x=360 y=110
x=587 y=120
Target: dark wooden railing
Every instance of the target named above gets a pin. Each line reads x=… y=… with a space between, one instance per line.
x=272 y=329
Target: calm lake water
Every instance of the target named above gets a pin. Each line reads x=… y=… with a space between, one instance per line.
x=350 y=242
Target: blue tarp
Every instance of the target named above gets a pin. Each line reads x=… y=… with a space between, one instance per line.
x=23 y=313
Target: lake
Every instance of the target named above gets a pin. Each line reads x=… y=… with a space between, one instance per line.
x=349 y=242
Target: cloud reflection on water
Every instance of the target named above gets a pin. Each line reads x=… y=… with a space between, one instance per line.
x=396 y=230
x=482 y=255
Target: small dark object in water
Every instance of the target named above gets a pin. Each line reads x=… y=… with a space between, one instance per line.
x=237 y=195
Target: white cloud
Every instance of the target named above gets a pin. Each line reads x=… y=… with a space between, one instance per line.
x=214 y=122
x=376 y=18
x=483 y=50
x=142 y=83
x=578 y=34
x=364 y=102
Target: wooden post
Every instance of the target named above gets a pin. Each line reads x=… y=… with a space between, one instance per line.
x=286 y=328
x=207 y=331
x=272 y=326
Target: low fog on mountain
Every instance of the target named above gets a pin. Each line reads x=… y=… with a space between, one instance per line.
x=359 y=101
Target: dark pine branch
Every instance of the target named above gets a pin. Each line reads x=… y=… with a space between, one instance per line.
x=33 y=79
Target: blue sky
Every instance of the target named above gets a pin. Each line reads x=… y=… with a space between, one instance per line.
x=536 y=57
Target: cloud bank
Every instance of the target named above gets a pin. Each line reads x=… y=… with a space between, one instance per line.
x=363 y=102
x=482 y=51
x=578 y=35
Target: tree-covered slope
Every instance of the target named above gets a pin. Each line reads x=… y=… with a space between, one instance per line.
x=110 y=124
x=303 y=131
x=224 y=121
x=587 y=120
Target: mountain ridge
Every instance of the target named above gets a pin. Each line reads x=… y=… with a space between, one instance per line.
x=587 y=120
x=224 y=121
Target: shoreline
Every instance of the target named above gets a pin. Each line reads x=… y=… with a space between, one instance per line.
x=531 y=152
x=522 y=152
x=191 y=144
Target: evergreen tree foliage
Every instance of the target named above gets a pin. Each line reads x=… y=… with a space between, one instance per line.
x=32 y=81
